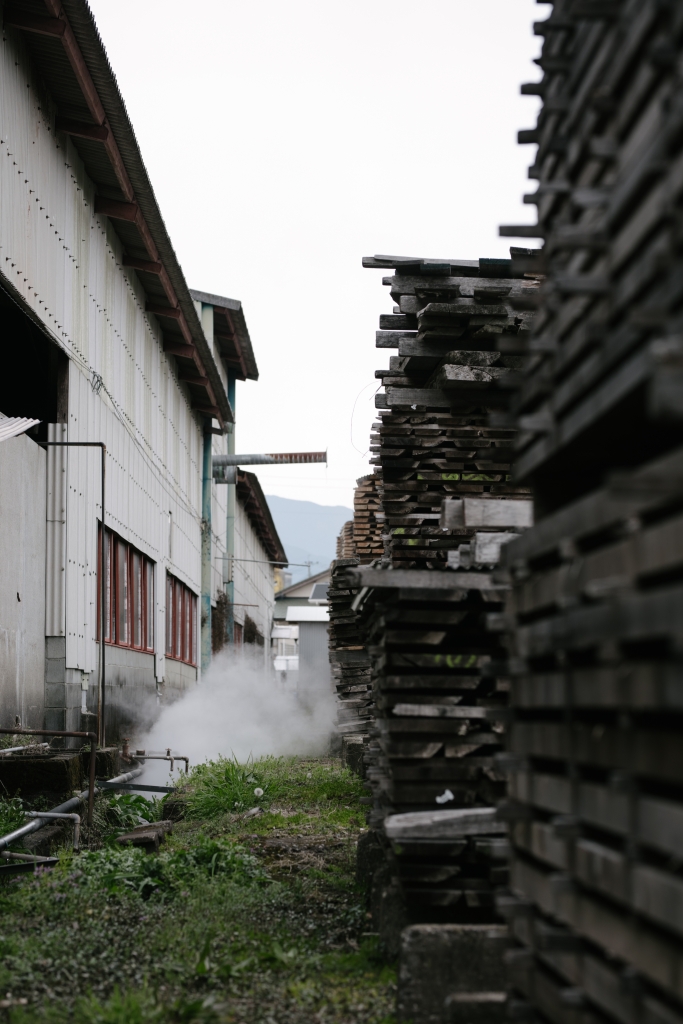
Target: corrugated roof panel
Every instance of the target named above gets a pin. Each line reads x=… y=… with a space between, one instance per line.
x=12 y=426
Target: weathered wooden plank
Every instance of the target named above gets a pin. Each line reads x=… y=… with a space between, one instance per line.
x=444 y=824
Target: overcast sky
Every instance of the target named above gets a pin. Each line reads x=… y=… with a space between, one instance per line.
x=286 y=139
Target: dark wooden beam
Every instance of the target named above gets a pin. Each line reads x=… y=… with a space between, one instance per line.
x=149 y=266
x=193 y=378
x=81 y=130
x=175 y=348
x=170 y=312
x=116 y=210
x=28 y=23
x=208 y=410
x=58 y=25
x=91 y=96
x=235 y=340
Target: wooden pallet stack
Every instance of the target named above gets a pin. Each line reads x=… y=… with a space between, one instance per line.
x=448 y=506
x=350 y=664
x=595 y=755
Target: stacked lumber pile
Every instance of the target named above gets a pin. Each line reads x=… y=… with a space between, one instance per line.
x=350 y=665
x=458 y=331
x=595 y=754
x=449 y=506
x=367 y=530
x=439 y=710
x=345 y=547
x=361 y=537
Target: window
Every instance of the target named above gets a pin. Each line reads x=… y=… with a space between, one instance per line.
x=129 y=597
x=181 y=622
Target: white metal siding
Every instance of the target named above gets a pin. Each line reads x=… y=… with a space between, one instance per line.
x=22 y=575
x=254 y=579
x=67 y=264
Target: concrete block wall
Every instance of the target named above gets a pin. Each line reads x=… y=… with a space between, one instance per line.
x=62 y=689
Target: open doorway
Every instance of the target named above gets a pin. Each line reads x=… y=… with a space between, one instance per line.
x=34 y=381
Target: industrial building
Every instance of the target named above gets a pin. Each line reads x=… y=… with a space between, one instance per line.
x=131 y=378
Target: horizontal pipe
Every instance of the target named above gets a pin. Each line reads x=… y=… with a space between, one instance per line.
x=56 y=816
x=279 y=459
x=18 y=730
x=69 y=805
x=13 y=750
x=33 y=857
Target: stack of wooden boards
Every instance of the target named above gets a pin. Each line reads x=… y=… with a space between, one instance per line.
x=350 y=665
x=433 y=440
x=439 y=710
x=367 y=528
x=448 y=506
x=361 y=537
x=345 y=548
x=596 y=621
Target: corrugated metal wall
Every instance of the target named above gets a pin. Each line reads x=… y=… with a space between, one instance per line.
x=253 y=579
x=67 y=264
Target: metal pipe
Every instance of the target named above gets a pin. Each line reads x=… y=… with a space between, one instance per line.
x=205 y=633
x=274 y=459
x=101 y=696
x=13 y=750
x=230 y=516
x=51 y=815
x=34 y=857
x=80 y=735
x=68 y=805
x=168 y=756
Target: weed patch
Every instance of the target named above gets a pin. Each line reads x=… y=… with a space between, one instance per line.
x=239 y=919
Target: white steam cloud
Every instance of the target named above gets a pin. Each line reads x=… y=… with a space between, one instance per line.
x=241 y=709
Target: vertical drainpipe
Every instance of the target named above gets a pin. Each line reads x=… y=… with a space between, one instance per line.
x=230 y=518
x=206 y=546
x=207 y=480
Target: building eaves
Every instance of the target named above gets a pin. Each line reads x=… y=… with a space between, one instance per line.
x=68 y=54
x=237 y=348
x=253 y=500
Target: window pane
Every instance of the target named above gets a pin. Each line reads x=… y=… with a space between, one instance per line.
x=169 y=615
x=137 y=599
x=149 y=605
x=109 y=597
x=194 y=629
x=178 y=616
x=187 y=650
x=122 y=594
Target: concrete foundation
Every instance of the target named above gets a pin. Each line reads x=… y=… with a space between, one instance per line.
x=53 y=776
x=452 y=972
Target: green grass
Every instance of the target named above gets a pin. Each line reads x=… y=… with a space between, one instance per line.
x=274 y=784
x=239 y=920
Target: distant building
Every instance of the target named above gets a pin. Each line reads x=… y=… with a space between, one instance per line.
x=300 y=630
x=299 y=594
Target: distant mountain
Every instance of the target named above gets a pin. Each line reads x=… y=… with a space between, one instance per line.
x=308 y=531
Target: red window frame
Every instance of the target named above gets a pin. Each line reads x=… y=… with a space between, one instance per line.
x=181 y=622
x=129 y=600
